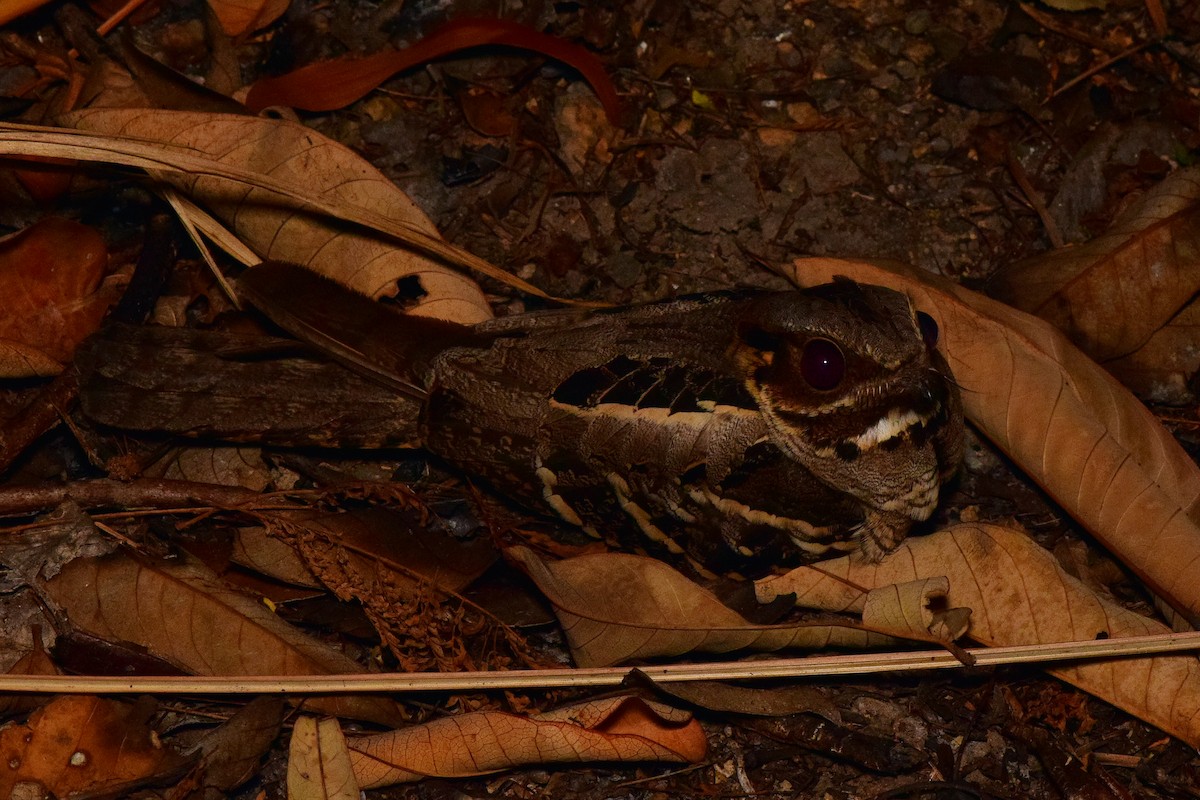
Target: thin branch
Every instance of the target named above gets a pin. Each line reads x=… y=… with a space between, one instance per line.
x=789 y=668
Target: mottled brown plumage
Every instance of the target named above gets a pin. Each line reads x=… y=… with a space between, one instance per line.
x=730 y=426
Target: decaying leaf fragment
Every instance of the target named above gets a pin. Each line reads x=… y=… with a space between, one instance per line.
x=1068 y=424
x=610 y=729
x=279 y=229
x=615 y=607
x=1018 y=594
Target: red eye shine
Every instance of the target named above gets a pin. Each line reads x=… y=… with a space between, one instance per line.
x=822 y=365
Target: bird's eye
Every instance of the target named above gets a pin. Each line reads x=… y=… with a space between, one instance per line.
x=822 y=365
x=929 y=329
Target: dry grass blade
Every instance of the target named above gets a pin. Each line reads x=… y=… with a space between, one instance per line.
x=774 y=669
x=167 y=159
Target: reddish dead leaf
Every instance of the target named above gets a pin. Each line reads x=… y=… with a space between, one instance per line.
x=615 y=607
x=612 y=729
x=79 y=742
x=244 y=16
x=1066 y=422
x=51 y=277
x=1018 y=594
x=182 y=613
x=330 y=85
x=36 y=662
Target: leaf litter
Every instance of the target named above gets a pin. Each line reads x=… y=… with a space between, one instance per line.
x=1159 y=475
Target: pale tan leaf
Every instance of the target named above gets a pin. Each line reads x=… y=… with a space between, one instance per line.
x=1020 y=595
x=1111 y=294
x=246 y=16
x=319 y=765
x=280 y=229
x=615 y=607
x=611 y=729
x=916 y=607
x=182 y=613
x=1067 y=423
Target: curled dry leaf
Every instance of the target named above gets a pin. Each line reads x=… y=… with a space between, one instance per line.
x=611 y=729
x=232 y=752
x=328 y=85
x=1019 y=595
x=319 y=765
x=615 y=607
x=52 y=281
x=182 y=613
x=1069 y=425
x=1111 y=294
x=280 y=229
x=79 y=743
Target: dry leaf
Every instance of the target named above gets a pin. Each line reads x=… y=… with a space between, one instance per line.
x=611 y=729
x=1067 y=423
x=180 y=612
x=51 y=278
x=615 y=607
x=232 y=753
x=79 y=743
x=1020 y=595
x=328 y=85
x=1162 y=369
x=1110 y=295
x=223 y=466
x=319 y=765
x=245 y=16
x=277 y=229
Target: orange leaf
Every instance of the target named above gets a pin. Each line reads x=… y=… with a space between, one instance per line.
x=243 y=16
x=329 y=85
x=79 y=742
x=50 y=278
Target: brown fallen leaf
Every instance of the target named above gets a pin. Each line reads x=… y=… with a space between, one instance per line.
x=1162 y=369
x=1112 y=294
x=231 y=753
x=181 y=612
x=1067 y=423
x=36 y=662
x=278 y=229
x=1019 y=594
x=611 y=729
x=52 y=281
x=319 y=765
x=79 y=743
x=246 y=16
x=615 y=607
